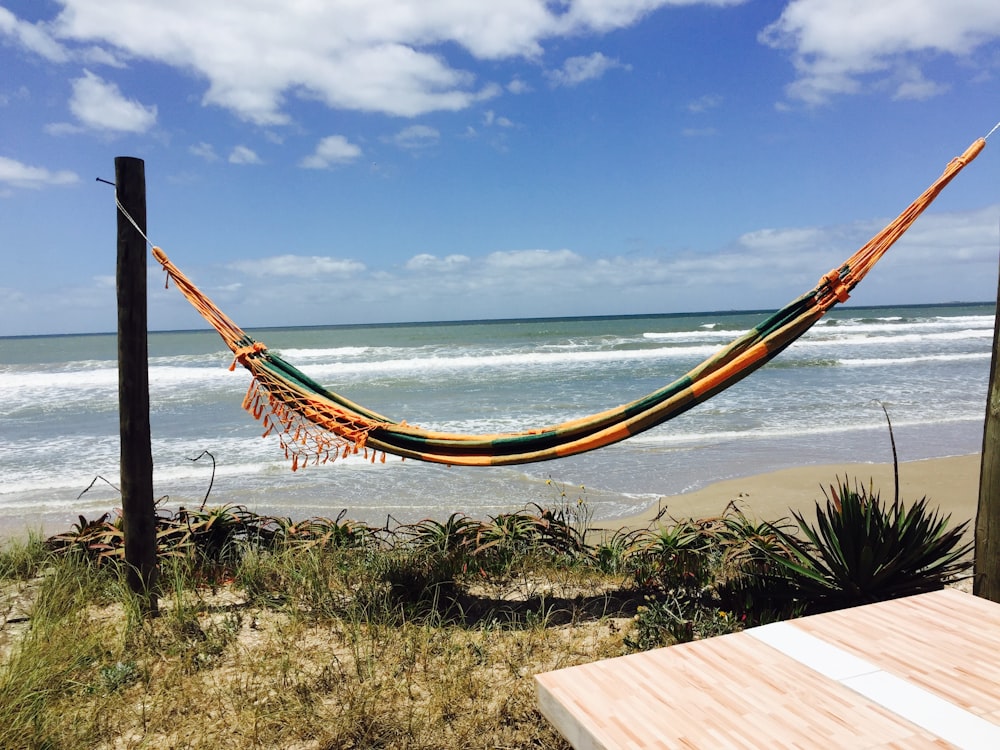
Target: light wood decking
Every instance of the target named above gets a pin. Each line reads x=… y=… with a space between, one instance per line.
x=920 y=672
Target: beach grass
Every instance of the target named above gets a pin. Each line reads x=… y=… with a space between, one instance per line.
x=294 y=648
x=329 y=634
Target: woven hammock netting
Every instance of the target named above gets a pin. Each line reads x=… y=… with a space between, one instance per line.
x=315 y=425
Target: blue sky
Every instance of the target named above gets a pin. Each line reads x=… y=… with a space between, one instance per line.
x=409 y=160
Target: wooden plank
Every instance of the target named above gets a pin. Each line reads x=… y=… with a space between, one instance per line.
x=946 y=642
x=736 y=691
x=731 y=691
x=916 y=704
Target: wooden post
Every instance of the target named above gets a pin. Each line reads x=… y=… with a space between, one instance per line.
x=138 y=509
x=987 y=564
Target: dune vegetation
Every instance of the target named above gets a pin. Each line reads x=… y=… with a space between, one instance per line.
x=325 y=633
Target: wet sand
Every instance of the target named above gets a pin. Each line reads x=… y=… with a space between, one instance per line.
x=950 y=484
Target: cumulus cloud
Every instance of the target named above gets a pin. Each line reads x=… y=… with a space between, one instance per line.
x=576 y=70
x=389 y=56
x=100 y=105
x=699 y=132
x=330 y=151
x=298 y=266
x=840 y=47
x=532 y=259
x=517 y=86
x=204 y=150
x=384 y=56
x=63 y=128
x=704 y=103
x=761 y=269
x=243 y=155
x=783 y=240
x=913 y=85
x=378 y=56
x=491 y=118
x=21 y=93
x=427 y=263
x=605 y=15
x=416 y=137
x=18 y=175
x=35 y=38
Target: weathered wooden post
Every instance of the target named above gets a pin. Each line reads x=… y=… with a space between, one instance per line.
x=987 y=564
x=138 y=509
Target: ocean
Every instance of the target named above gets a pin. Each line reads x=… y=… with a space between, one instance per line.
x=817 y=403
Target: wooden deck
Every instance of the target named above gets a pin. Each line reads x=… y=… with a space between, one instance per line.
x=920 y=672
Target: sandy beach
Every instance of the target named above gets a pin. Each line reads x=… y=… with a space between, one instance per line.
x=951 y=484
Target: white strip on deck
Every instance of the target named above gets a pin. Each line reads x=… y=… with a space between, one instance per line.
x=919 y=672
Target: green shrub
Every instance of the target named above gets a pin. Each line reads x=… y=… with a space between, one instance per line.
x=677 y=619
x=861 y=550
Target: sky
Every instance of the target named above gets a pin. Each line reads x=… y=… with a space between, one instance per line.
x=315 y=162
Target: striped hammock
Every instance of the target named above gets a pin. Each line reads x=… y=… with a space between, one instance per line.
x=313 y=424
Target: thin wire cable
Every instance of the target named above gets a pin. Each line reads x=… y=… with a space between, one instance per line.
x=992 y=131
x=131 y=220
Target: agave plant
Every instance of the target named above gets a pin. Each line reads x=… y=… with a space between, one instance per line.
x=455 y=535
x=504 y=539
x=616 y=553
x=215 y=532
x=556 y=532
x=676 y=556
x=317 y=532
x=751 y=581
x=861 y=550
x=100 y=539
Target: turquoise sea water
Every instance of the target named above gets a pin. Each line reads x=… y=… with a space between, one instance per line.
x=815 y=404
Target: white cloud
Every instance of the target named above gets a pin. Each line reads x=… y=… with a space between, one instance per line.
x=604 y=15
x=762 y=269
x=20 y=94
x=298 y=266
x=384 y=56
x=784 y=240
x=517 y=86
x=839 y=45
x=913 y=85
x=491 y=118
x=63 y=128
x=243 y=155
x=704 y=103
x=415 y=137
x=101 y=106
x=205 y=151
x=427 y=263
x=19 y=175
x=332 y=150
x=699 y=132
x=576 y=70
x=32 y=37
x=944 y=257
x=531 y=259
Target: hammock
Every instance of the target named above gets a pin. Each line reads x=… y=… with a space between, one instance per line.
x=314 y=424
